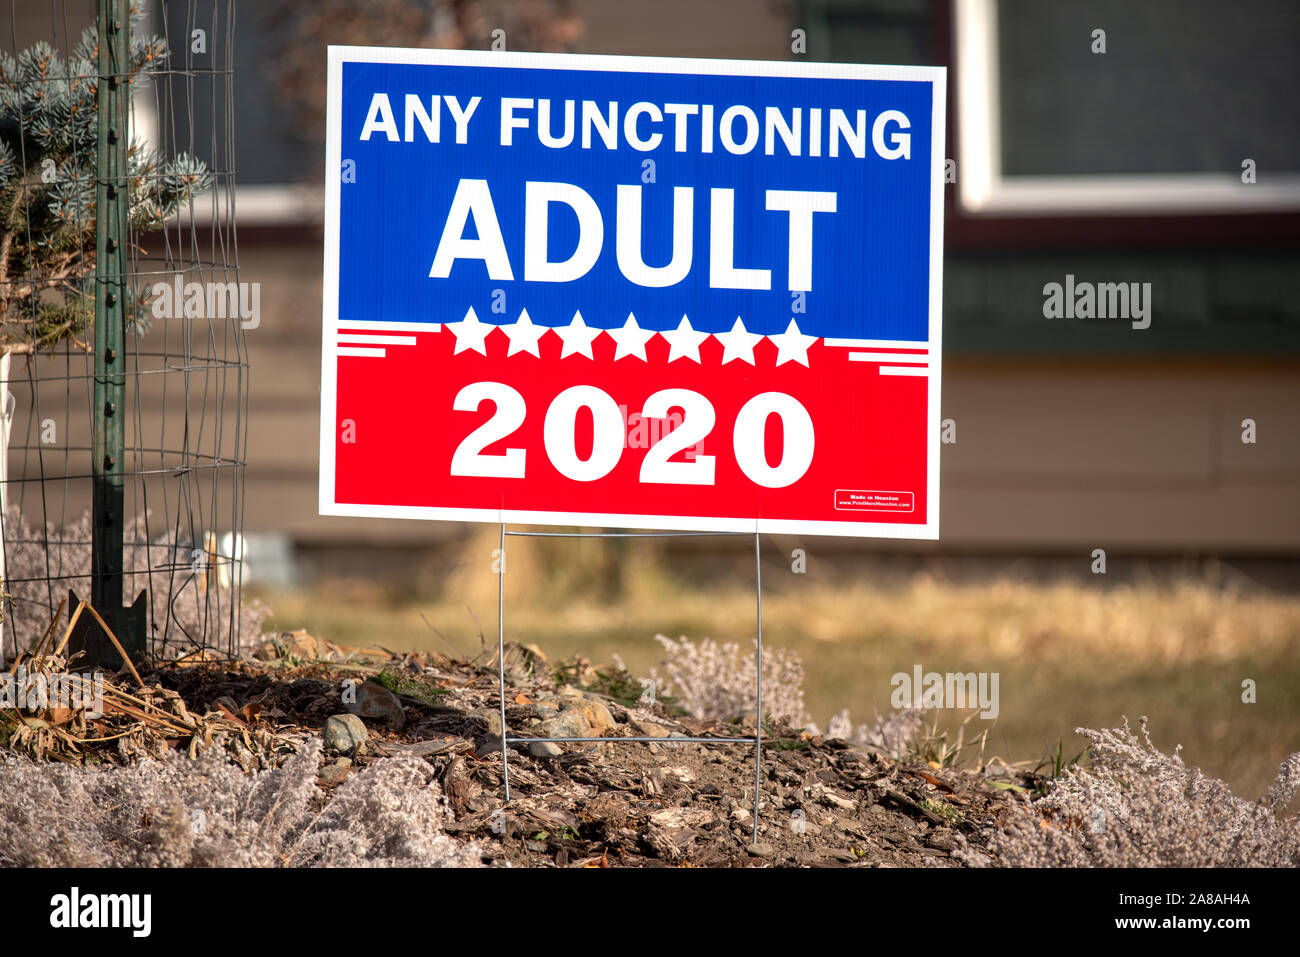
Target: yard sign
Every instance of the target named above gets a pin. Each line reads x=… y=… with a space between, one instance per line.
x=632 y=292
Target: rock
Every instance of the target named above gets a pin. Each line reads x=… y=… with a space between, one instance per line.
x=490 y=718
x=837 y=854
x=488 y=738
x=597 y=716
x=332 y=775
x=761 y=850
x=647 y=729
x=567 y=724
x=545 y=749
x=940 y=841
x=377 y=703
x=345 y=733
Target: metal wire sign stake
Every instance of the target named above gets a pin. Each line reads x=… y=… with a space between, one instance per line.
x=756 y=740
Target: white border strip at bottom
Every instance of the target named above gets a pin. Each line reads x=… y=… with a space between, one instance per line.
x=915 y=530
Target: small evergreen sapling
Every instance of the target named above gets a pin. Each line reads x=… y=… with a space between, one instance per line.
x=48 y=130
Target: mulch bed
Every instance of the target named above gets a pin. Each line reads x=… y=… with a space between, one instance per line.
x=824 y=802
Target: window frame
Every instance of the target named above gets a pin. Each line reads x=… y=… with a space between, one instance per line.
x=983 y=190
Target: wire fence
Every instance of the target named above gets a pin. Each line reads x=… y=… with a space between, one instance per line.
x=186 y=366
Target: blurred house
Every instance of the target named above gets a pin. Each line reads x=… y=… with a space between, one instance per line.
x=1122 y=166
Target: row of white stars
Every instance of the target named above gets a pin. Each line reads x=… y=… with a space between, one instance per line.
x=684 y=341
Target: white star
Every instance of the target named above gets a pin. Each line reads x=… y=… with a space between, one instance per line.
x=577 y=336
x=524 y=334
x=685 y=341
x=470 y=333
x=792 y=345
x=738 y=344
x=631 y=339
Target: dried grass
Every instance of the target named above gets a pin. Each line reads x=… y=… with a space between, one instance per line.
x=893 y=735
x=205 y=812
x=552 y=588
x=713 y=681
x=1135 y=806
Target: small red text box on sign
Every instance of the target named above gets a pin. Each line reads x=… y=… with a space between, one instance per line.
x=862 y=500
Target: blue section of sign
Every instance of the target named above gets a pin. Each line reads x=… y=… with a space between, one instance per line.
x=870 y=258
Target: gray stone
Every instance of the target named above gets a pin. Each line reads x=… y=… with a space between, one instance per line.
x=488 y=739
x=567 y=724
x=490 y=718
x=761 y=850
x=334 y=774
x=345 y=733
x=377 y=703
x=648 y=729
x=545 y=749
x=940 y=841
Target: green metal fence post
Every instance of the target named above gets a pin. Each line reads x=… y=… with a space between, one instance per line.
x=112 y=196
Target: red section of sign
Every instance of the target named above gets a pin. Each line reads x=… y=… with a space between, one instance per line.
x=869 y=431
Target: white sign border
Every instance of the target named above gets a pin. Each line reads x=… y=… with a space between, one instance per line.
x=338 y=55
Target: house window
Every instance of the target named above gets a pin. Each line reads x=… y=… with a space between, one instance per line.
x=1164 y=121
